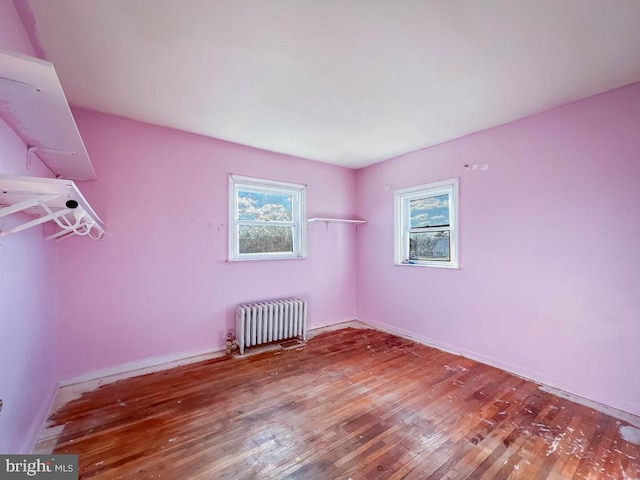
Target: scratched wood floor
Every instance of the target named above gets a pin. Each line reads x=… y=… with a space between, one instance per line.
x=351 y=404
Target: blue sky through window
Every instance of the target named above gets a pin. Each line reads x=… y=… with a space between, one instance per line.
x=264 y=206
x=430 y=211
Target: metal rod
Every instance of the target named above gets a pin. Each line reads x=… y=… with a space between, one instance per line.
x=37 y=221
x=32 y=202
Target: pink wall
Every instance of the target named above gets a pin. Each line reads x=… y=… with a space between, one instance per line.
x=549 y=249
x=29 y=310
x=158 y=283
x=548 y=285
x=27 y=293
x=541 y=292
x=13 y=36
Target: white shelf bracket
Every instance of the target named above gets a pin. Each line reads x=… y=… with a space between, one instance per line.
x=35 y=107
x=32 y=202
x=328 y=220
x=32 y=149
x=48 y=200
x=35 y=222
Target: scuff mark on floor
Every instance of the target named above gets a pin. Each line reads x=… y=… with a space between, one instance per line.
x=554 y=444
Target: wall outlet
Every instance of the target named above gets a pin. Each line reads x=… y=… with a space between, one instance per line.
x=1 y=403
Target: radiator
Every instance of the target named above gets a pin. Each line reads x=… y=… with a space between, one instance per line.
x=270 y=321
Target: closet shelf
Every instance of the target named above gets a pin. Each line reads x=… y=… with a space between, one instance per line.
x=335 y=220
x=48 y=200
x=33 y=103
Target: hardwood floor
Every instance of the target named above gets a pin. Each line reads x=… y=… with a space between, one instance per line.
x=351 y=404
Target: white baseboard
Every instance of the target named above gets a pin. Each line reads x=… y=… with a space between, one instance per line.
x=142 y=367
x=39 y=421
x=331 y=327
x=546 y=384
x=630 y=418
x=72 y=388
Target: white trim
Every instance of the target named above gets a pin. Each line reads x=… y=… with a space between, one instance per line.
x=266 y=256
x=445 y=265
x=403 y=196
x=163 y=362
x=39 y=421
x=330 y=327
x=299 y=208
x=601 y=407
x=263 y=182
x=440 y=184
x=231 y=223
x=73 y=388
x=446 y=347
x=144 y=366
x=546 y=384
x=92 y=380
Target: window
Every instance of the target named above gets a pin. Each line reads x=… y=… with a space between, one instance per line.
x=426 y=229
x=266 y=219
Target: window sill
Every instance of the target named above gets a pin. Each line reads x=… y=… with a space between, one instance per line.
x=449 y=267
x=262 y=259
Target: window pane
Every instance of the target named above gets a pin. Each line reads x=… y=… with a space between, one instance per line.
x=265 y=239
x=430 y=246
x=269 y=207
x=430 y=211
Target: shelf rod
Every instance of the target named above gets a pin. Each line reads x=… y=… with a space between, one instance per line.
x=32 y=202
x=37 y=221
x=335 y=220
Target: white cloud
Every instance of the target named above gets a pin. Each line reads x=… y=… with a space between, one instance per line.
x=421 y=217
x=268 y=212
x=430 y=203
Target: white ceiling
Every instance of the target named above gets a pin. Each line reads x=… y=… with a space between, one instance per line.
x=349 y=82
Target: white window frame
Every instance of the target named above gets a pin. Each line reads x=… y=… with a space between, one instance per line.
x=402 y=199
x=298 y=220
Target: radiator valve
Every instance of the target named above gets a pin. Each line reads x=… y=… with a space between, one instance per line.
x=230 y=344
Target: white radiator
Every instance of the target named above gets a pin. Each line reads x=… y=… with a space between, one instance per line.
x=265 y=322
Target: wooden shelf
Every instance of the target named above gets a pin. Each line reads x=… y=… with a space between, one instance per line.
x=33 y=103
x=48 y=200
x=335 y=220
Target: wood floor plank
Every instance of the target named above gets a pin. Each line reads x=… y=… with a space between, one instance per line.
x=350 y=404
